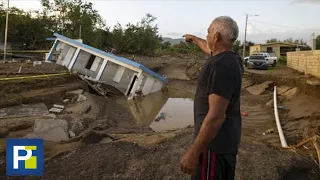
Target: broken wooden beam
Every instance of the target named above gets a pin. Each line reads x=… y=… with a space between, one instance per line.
x=92 y=86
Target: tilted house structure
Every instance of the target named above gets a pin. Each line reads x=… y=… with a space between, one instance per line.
x=127 y=76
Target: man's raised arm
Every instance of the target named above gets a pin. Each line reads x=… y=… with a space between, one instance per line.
x=200 y=42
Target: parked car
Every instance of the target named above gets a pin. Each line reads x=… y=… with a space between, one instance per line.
x=271 y=60
x=257 y=62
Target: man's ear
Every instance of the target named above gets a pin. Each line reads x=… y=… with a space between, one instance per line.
x=217 y=37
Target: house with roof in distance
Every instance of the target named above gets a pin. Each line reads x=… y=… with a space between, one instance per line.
x=127 y=76
x=277 y=48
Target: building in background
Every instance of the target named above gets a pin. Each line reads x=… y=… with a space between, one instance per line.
x=277 y=48
x=127 y=76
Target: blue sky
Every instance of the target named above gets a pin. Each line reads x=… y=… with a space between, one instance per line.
x=277 y=18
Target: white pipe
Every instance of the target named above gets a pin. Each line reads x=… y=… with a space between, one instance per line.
x=276 y=114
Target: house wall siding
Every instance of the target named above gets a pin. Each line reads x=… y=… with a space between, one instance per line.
x=109 y=73
x=307 y=62
x=81 y=62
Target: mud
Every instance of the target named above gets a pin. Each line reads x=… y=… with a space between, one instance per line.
x=283 y=76
x=137 y=152
x=124 y=160
x=12 y=69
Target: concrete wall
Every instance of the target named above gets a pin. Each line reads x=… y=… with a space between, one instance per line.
x=305 y=61
x=62 y=51
x=109 y=73
x=81 y=62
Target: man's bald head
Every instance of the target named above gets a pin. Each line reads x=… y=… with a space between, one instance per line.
x=225 y=28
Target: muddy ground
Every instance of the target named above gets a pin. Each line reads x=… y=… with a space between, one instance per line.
x=136 y=152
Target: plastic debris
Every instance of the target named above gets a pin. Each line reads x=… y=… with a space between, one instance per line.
x=244 y=113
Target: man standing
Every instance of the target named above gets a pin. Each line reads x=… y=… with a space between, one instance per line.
x=217 y=117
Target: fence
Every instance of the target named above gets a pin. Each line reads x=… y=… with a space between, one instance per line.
x=305 y=61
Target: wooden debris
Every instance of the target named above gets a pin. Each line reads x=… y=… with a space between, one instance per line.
x=317 y=148
x=92 y=86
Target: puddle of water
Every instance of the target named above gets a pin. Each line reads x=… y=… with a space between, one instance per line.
x=163 y=111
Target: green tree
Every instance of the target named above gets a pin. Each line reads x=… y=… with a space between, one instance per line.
x=272 y=40
x=318 y=42
x=237 y=46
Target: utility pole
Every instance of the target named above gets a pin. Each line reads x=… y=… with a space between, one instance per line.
x=314 y=42
x=245 y=35
x=80 y=32
x=6 y=35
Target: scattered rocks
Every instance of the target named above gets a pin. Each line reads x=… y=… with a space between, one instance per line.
x=313 y=82
x=35 y=63
x=81 y=98
x=106 y=140
x=65 y=101
x=72 y=134
x=3 y=132
x=259 y=88
x=77 y=126
x=24 y=110
x=79 y=108
x=291 y=93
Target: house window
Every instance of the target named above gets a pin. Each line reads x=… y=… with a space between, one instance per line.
x=90 y=61
x=119 y=74
x=96 y=63
x=269 y=49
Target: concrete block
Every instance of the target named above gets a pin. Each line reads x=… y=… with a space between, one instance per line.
x=55 y=110
x=41 y=125
x=106 y=140
x=37 y=63
x=51 y=115
x=58 y=106
x=81 y=98
x=24 y=110
x=56 y=134
x=72 y=134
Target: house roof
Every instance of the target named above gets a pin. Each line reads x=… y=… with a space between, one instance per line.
x=121 y=59
x=286 y=43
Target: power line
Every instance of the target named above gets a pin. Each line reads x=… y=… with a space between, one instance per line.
x=285 y=26
x=256 y=28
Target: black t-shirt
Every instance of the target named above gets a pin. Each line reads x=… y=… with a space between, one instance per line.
x=221 y=75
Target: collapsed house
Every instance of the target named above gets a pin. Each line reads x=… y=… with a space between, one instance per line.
x=127 y=76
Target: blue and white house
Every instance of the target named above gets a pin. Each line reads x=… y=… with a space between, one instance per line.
x=127 y=76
